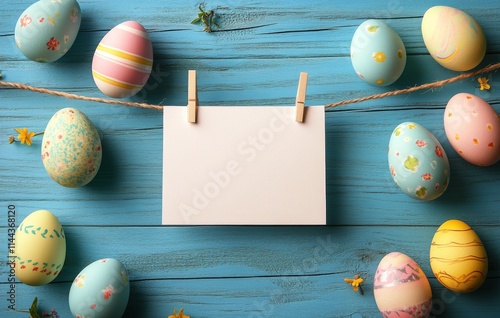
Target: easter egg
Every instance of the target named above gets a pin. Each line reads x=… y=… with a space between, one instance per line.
x=71 y=148
x=401 y=288
x=453 y=38
x=123 y=60
x=47 y=29
x=100 y=290
x=473 y=129
x=378 y=54
x=458 y=258
x=39 y=250
x=417 y=162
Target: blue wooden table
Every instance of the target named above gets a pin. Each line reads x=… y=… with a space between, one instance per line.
x=253 y=59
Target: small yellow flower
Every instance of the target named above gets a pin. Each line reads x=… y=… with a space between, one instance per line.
x=178 y=315
x=355 y=283
x=483 y=83
x=25 y=136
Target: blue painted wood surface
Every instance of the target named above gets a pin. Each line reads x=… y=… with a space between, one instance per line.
x=254 y=59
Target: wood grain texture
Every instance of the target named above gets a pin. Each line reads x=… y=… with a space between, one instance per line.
x=254 y=59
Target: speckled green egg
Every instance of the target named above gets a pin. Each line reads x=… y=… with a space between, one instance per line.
x=71 y=148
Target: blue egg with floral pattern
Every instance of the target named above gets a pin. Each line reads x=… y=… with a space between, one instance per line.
x=100 y=290
x=417 y=162
x=71 y=148
x=47 y=29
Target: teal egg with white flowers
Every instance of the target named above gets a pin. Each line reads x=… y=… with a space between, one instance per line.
x=378 y=54
x=47 y=29
x=417 y=162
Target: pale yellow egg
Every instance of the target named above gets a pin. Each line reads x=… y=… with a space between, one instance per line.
x=40 y=248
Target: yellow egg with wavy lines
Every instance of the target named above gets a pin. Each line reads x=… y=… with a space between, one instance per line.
x=458 y=257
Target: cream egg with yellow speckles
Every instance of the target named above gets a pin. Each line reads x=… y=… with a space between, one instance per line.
x=378 y=54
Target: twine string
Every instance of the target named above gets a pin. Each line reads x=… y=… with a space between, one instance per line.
x=436 y=84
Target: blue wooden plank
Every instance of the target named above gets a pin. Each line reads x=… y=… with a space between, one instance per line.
x=239 y=271
x=254 y=60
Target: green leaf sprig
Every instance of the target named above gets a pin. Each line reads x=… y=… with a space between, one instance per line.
x=207 y=18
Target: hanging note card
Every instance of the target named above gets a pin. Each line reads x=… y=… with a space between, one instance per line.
x=244 y=166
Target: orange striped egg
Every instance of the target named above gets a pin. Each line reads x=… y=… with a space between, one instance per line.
x=123 y=60
x=458 y=257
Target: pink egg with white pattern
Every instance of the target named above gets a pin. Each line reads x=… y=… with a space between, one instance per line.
x=123 y=60
x=401 y=288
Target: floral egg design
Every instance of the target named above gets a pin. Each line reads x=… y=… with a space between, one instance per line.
x=417 y=162
x=378 y=54
x=71 y=148
x=47 y=29
x=100 y=290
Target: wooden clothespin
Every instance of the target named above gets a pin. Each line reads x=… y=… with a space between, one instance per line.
x=192 y=97
x=301 y=98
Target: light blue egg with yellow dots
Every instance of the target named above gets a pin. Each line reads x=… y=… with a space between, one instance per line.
x=71 y=148
x=378 y=54
x=417 y=162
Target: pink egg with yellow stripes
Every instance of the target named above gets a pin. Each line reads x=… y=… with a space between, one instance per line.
x=123 y=60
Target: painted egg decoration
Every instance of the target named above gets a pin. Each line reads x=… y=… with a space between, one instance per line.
x=47 y=29
x=453 y=38
x=473 y=129
x=378 y=54
x=100 y=290
x=39 y=251
x=458 y=257
x=417 y=162
x=71 y=148
x=123 y=60
x=401 y=288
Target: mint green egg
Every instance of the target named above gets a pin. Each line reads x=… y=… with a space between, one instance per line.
x=47 y=29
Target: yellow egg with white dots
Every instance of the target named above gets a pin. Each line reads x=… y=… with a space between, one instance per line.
x=458 y=257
